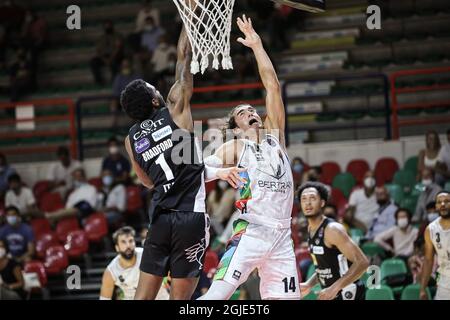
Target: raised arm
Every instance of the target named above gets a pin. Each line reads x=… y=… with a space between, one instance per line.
x=274 y=102
x=179 y=98
x=335 y=235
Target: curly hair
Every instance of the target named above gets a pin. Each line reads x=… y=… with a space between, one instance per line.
x=136 y=100
x=320 y=187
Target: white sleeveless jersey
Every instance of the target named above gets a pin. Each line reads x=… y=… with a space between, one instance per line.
x=271 y=183
x=127 y=279
x=441 y=243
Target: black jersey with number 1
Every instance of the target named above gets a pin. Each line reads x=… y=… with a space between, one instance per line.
x=171 y=158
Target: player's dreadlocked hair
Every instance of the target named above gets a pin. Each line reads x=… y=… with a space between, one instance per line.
x=136 y=100
x=320 y=187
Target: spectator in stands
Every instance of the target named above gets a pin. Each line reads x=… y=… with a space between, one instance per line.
x=402 y=235
x=429 y=193
x=81 y=202
x=116 y=162
x=164 y=59
x=18 y=236
x=386 y=213
x=124 y=77
x=147 y=11
x=150 y=35
x=220 y=204
x=313 y=174
x=20 y=75
x=35 y=36
x=363 y=207
x=21 y=197
x=428 y=157
x=113 y=198
x=60 y=173
x=110 y=52
x=432 y=214
x=5 y=172
x=297 y=170
x=443 y=163
x=12 y=284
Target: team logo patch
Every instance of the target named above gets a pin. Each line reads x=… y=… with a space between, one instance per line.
x=196 y=252
x=348 y=295
x=318 y=250
x=236 y=275
x=147 y=124
x=162 y=133
x=270 y=142
x=141 y=145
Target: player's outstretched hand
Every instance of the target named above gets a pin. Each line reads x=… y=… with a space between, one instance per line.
x=252 y=39
x=231 y=175
x=327 y=294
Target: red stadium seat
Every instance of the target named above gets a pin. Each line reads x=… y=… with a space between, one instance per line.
x=40 y=188
x=45 y=241
x=56 y=260
x=96 y=227
x=302 y=254
x=65 y=226
x=51 y=201
x=40 y=226
x=211 y=261
x=385 y=169
x=134 y=199
x=336 y=196
x=329 y=171
x=96 y=182
x=38 y=268
x=77 y=244
x=358 y=168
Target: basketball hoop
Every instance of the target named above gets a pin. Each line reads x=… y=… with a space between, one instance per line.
x=208 y=27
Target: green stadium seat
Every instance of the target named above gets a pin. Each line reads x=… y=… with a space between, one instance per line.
x=236 y=295
x=344 y=182
x=410 y=203
x=396 y=192
x=405 y=179
x=372 y=249
x=393 y=267
x=382 y=293
x=356 y=234
x=411 y=164
x=412 y=292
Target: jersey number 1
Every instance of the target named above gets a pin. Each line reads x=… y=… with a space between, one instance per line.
x=167 y=171
x=291 y=284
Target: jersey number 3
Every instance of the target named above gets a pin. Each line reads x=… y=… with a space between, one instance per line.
x=291 y=286
x=167 y=171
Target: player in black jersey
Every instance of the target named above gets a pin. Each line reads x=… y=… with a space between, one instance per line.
x=166 y=158
x=338 y=260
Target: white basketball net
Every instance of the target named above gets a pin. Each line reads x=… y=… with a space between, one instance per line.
x=208 y=28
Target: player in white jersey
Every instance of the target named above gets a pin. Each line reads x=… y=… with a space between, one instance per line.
x=437 y=242
x=262 y=234
x=123 y=271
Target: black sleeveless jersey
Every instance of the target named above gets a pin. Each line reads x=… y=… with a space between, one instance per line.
x=330 y=263
x=171 y=157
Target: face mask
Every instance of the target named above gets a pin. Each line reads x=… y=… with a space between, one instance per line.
x=12 y=220
x=298 y=167
x=222 y=184
x=427 y=182
x=107 y=180
x=113 y=150
x=126 y=71
x=402 y=222
x=77 y=184
x=381 y=202
x=369 y=182
x=432 y=216
x=148 y=28
x=2 y=252
x=312 y=178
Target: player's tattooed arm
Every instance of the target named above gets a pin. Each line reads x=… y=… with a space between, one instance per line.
x=274 y=102
x=143 y=177
x=179 y=98
x=336 y=235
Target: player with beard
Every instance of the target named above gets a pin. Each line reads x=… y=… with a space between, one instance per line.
x=338 y=260
x=123 y=271
x=437 y=243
